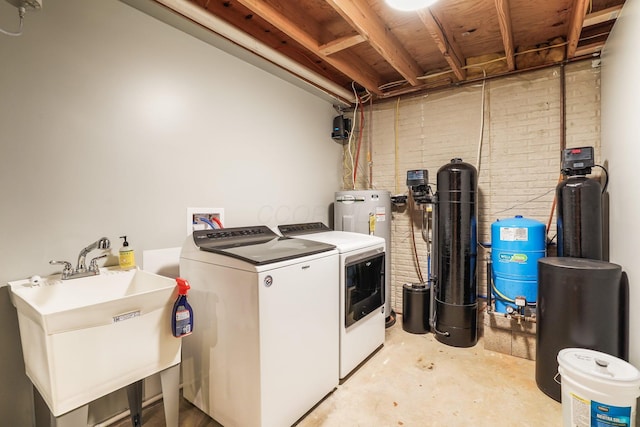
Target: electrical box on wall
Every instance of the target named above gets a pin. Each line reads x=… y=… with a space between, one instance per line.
x=204 y=218
x=341 y=128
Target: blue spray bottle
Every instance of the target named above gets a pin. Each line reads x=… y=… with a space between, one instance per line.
x=182 y=315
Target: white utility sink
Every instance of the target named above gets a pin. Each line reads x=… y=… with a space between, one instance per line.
x=87 y=337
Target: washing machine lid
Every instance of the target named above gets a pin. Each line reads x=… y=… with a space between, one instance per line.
x=345 y=241
x=257 y=245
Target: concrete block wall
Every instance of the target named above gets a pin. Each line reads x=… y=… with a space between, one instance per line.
x=519 y=157
x=510 y=336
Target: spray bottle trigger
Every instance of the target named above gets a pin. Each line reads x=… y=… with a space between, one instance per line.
x=183 y=285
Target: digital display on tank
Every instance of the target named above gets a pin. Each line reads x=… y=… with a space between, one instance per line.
x=577 y=158
x=417 y=177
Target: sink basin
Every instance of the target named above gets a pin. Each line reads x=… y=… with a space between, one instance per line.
x=87 y=337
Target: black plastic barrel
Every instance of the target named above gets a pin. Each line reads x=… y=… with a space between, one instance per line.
x=579 y=218
x=415 y=308
x=581 y=304
x=455 y=293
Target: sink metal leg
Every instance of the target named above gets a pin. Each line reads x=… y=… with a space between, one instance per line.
x=170 y=381
x=134 y=394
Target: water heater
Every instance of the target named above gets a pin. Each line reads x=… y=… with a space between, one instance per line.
x=367 y=212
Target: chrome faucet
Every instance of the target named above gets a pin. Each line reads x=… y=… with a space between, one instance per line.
x=81 y=269
x=101 y=243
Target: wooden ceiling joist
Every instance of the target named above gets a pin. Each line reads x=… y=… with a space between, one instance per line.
x=364 y=20
x=504 y=19
x=340 y=44
x=449 y=50
x=578 y=13
x=333 y=43
x=363 y=75
x=601 y=16
x=589 y=49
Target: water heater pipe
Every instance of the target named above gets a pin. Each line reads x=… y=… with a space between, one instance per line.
x=360 y=131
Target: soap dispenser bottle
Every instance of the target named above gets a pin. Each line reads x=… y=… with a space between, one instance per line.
x=182 y=315
x=127 y=258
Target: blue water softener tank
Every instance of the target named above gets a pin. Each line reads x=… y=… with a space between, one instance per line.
x=516 y=245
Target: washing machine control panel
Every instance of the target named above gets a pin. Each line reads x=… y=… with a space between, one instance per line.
x=232 y=236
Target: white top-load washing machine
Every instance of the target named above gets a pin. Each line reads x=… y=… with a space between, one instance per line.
x=362 y=285
x=264 y=349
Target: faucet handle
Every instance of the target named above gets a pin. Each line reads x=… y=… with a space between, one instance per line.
x=68 y=268
x=93 y=264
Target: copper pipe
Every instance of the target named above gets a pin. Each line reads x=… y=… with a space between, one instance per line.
x=563 y=135
x=553 y=207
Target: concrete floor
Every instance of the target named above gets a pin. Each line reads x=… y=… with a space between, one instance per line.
x=416 y=381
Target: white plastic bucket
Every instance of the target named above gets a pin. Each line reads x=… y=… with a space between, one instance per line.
x=598 y=389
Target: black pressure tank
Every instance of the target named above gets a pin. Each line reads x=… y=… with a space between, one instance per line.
x=581 y=303
x=579 y=217
x=455 y=293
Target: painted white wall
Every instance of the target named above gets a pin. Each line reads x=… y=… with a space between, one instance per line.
x=113 y=123
x=621 y=151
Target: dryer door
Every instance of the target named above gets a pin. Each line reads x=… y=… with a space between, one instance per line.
x=364 y=286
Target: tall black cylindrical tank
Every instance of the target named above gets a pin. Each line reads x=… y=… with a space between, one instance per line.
x=581 y=303
x=579 y=218
x=455 y=293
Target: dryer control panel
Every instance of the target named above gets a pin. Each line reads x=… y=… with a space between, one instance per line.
x=304 y=228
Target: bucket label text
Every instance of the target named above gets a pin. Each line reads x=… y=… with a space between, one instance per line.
x=603 y=415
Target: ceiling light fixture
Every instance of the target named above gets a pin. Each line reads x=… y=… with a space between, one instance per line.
x=410 y=5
